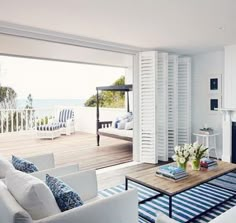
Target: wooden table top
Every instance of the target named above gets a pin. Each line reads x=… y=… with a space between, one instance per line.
x=165 y=186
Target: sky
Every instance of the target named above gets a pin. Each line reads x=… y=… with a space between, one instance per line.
x=45 y=79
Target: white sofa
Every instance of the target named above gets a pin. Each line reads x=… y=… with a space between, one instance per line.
x=121 y=208
x=227 y=217
x=45 y=163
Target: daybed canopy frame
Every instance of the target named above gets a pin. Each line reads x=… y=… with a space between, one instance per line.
x=106 y=124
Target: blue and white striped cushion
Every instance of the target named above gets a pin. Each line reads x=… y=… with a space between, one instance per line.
x=50 y=127
x=65 y=196
x=23 y=165
x=62 y=124
x=65 y=114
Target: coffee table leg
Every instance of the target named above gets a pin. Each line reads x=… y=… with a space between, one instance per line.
x=170 y=206
x=126 y=184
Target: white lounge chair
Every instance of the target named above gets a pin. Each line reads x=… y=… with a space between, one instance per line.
x=65 y=119
x=62 y=124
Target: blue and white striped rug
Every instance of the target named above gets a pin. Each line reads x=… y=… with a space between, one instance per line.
x=187 y=204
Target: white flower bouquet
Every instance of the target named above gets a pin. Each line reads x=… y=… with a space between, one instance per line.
x=198 y=151
x=182 y=155
x=189 y=152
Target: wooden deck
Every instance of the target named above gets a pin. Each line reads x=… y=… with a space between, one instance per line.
x=77 y=148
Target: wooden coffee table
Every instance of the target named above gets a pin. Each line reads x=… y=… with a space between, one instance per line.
x=148 y=179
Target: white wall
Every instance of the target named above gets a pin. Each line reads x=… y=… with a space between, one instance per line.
x=20 y=46
x=230 y=77
x=203 y=66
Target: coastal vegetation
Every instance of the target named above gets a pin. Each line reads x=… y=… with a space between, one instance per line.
x=109 y=99
x=8 y=113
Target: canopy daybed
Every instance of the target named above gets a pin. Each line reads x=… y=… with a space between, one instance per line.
x=105 y=127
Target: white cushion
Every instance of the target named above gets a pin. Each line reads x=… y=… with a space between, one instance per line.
x=118 y=132
x=10 y=210
x=113 y=125
x=32 y=194
x=162 y=218
x=43 y=161
x=84 y=183
x=125 y=116
x=56 y=172
x=121 y=124
x=5 y=165
x=120 y=208
x=93 y=199
x=129 y=125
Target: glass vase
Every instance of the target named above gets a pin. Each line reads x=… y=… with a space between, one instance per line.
x=182 y=165
x=196 y=164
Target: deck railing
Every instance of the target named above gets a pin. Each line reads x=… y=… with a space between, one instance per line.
x=15 y=120
x=21 y=120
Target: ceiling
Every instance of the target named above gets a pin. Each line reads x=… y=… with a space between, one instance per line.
x=182 y=26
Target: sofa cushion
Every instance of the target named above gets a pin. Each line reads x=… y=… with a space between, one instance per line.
x=5 y=165
x=43 y=161
x=32 y=194
x=58 y=171
x=65 y=196
x=129 y=125
x=121 y=124
x=23 y=165
x=10 y=210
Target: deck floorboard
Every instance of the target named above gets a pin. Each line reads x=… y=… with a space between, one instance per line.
x=77 y=148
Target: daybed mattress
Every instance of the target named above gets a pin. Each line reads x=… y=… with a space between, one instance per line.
x=118 y=132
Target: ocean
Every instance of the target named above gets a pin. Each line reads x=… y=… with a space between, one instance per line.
x=50 y=103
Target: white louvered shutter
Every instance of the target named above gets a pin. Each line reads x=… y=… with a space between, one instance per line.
x=184 y=100
x=172 y=103
x=147 y=104
x=162 y=106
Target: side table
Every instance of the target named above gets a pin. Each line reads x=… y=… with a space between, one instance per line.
x=209 y=141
